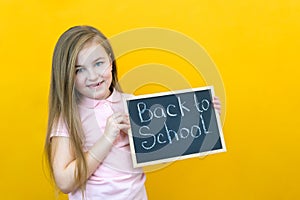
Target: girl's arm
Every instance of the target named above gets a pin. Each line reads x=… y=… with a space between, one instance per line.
x=64 y=161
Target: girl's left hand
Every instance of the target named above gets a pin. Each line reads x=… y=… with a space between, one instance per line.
x=217 y=104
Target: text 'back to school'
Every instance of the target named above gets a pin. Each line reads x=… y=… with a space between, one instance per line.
x=173 y=110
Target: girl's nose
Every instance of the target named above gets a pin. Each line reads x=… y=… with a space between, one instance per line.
x=93 y=75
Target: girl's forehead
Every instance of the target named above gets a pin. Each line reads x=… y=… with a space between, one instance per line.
x=89 y=52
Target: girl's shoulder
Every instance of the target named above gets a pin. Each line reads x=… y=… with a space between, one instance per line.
x=127 y=95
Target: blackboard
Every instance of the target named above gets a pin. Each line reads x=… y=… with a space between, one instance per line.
x=173 y=125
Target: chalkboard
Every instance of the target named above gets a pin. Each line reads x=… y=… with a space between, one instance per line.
x=173 y=125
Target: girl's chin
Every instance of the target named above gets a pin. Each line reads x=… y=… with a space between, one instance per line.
x=100 y=95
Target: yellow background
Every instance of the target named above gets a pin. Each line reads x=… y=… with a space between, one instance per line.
x=255 y=45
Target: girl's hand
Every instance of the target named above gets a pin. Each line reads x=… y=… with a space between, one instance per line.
x=115 y=123
x=217 y=104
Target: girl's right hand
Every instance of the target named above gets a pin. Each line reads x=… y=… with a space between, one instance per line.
x=115 y=123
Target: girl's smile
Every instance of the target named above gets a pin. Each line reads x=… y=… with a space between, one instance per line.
x=95 y=85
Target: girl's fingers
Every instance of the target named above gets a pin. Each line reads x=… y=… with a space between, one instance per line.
x=115 y=123
x=217 y=104
x=120 y=118
x=216 y=100
x=123 y=126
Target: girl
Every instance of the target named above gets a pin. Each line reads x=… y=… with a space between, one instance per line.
x=87 y=146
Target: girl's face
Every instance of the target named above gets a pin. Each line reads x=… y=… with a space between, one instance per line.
x=93 y=72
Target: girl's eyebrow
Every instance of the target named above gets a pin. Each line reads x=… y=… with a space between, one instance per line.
x=99 y=58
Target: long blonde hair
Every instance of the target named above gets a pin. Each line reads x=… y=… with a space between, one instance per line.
x=63 y=97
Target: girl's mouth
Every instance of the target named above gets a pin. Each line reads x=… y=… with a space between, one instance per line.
x=95 y=85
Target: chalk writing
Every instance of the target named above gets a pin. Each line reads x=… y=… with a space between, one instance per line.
x=146 y=114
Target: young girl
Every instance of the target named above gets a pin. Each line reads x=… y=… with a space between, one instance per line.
x=87 y=146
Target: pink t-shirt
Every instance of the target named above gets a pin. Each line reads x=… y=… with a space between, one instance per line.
x=115 y=178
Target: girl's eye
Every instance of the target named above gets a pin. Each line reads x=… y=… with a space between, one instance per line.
x=98 y=64
x=79 y=70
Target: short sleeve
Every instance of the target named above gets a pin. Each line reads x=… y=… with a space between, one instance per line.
x=60 y=129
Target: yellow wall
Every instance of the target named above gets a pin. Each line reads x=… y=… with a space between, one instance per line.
x=255 y=45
